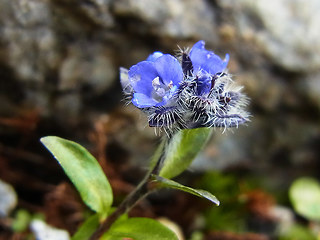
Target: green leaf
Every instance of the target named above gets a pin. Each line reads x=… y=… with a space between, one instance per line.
x=159 y=153
x=139 y=229
x=84 y=171
x=167 y=183
x=182 y=149
x=305 y=197
x=87 y=228
x=21 y=221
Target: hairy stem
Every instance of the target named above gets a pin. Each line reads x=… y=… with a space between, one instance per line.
x=142 y=190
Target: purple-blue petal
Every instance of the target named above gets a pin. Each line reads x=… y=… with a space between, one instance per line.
x=154 y=56
x=141 y=100
x=141 y=76
x=204 y=60
x=199 y=45
x=169 y=69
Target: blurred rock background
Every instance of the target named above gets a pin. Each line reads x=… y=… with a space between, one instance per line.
x=59 y=63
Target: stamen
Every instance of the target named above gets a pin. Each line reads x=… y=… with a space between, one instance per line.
x=156 y=83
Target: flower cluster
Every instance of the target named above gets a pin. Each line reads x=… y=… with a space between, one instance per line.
x=191 y=91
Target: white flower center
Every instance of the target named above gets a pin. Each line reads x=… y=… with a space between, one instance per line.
x=160 y=89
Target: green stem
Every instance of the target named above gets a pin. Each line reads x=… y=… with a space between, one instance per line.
x=142 y=190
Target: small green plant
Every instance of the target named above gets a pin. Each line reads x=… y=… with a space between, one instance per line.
x=305 y=197
x=304 y=194
x=87 y=176
x=184 y=97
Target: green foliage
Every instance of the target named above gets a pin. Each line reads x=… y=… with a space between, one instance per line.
x=225 y=218
x=230 y=216
x=183 y=148
x=304 y=194
x=224 y=184
x=21 y=220
x=84 y=171
x=139 y=229
x=298 y=232
x=167 y=183
x=158 y=153
x=87 y=228
x=197 y=236
x=85 y=231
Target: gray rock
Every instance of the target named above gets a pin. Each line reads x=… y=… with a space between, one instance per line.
x=89 y=65
x=286 y=31
x=46 y=49
x=177 y=19
x=283 y=216
x=8 y=199
x=311 y=87
x=223 y=150
x=97 y=10
x=31 y=45
x=43 y=231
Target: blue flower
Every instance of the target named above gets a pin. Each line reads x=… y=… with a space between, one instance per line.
x=204 y=60
x=154 y=56
x=155 y=81
x=204 y=84
x=194 y=91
